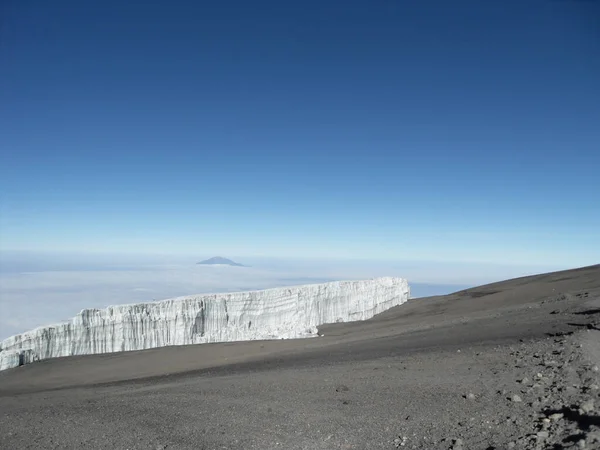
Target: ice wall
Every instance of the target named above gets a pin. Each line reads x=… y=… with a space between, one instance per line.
x=290 y=312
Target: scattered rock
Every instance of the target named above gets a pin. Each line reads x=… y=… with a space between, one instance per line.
x=342 y=388
x=556 y=416
x=469 y=396
x=516 y=398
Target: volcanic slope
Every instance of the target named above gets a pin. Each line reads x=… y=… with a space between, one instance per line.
x=506 y=365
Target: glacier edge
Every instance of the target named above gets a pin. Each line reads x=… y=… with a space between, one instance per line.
x=287 y=312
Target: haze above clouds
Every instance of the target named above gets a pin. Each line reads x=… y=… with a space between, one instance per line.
x=43 y=288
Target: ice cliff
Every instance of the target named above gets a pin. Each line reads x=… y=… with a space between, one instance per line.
x=290 y=312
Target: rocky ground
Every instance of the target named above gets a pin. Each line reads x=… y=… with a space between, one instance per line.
x=546 y=396
x=510 y=365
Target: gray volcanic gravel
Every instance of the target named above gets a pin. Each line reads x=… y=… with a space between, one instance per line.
x=509 y=365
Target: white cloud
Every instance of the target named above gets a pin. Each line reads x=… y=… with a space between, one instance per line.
x=31 y=299
x=48 y=291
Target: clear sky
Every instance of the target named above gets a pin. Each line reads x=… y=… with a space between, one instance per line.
x=432 y=130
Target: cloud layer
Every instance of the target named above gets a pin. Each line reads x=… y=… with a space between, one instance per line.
x=40 y=291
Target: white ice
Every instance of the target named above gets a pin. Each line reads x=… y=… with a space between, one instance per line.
x=289 y=312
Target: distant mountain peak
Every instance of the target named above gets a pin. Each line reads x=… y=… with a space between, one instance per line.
x=219 y=260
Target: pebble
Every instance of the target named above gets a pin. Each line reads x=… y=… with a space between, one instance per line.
x=570 y=390
x=516 y=398
x=457 y=444
x=588 y=406
x=524 y=380
x=470 y=396
x=400 y=441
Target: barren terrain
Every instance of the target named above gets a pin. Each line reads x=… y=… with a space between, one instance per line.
x=507 y=365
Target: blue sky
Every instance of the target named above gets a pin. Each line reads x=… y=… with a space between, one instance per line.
x=389 y=130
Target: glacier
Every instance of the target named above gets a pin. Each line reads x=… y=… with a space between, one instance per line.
x=279 y=313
